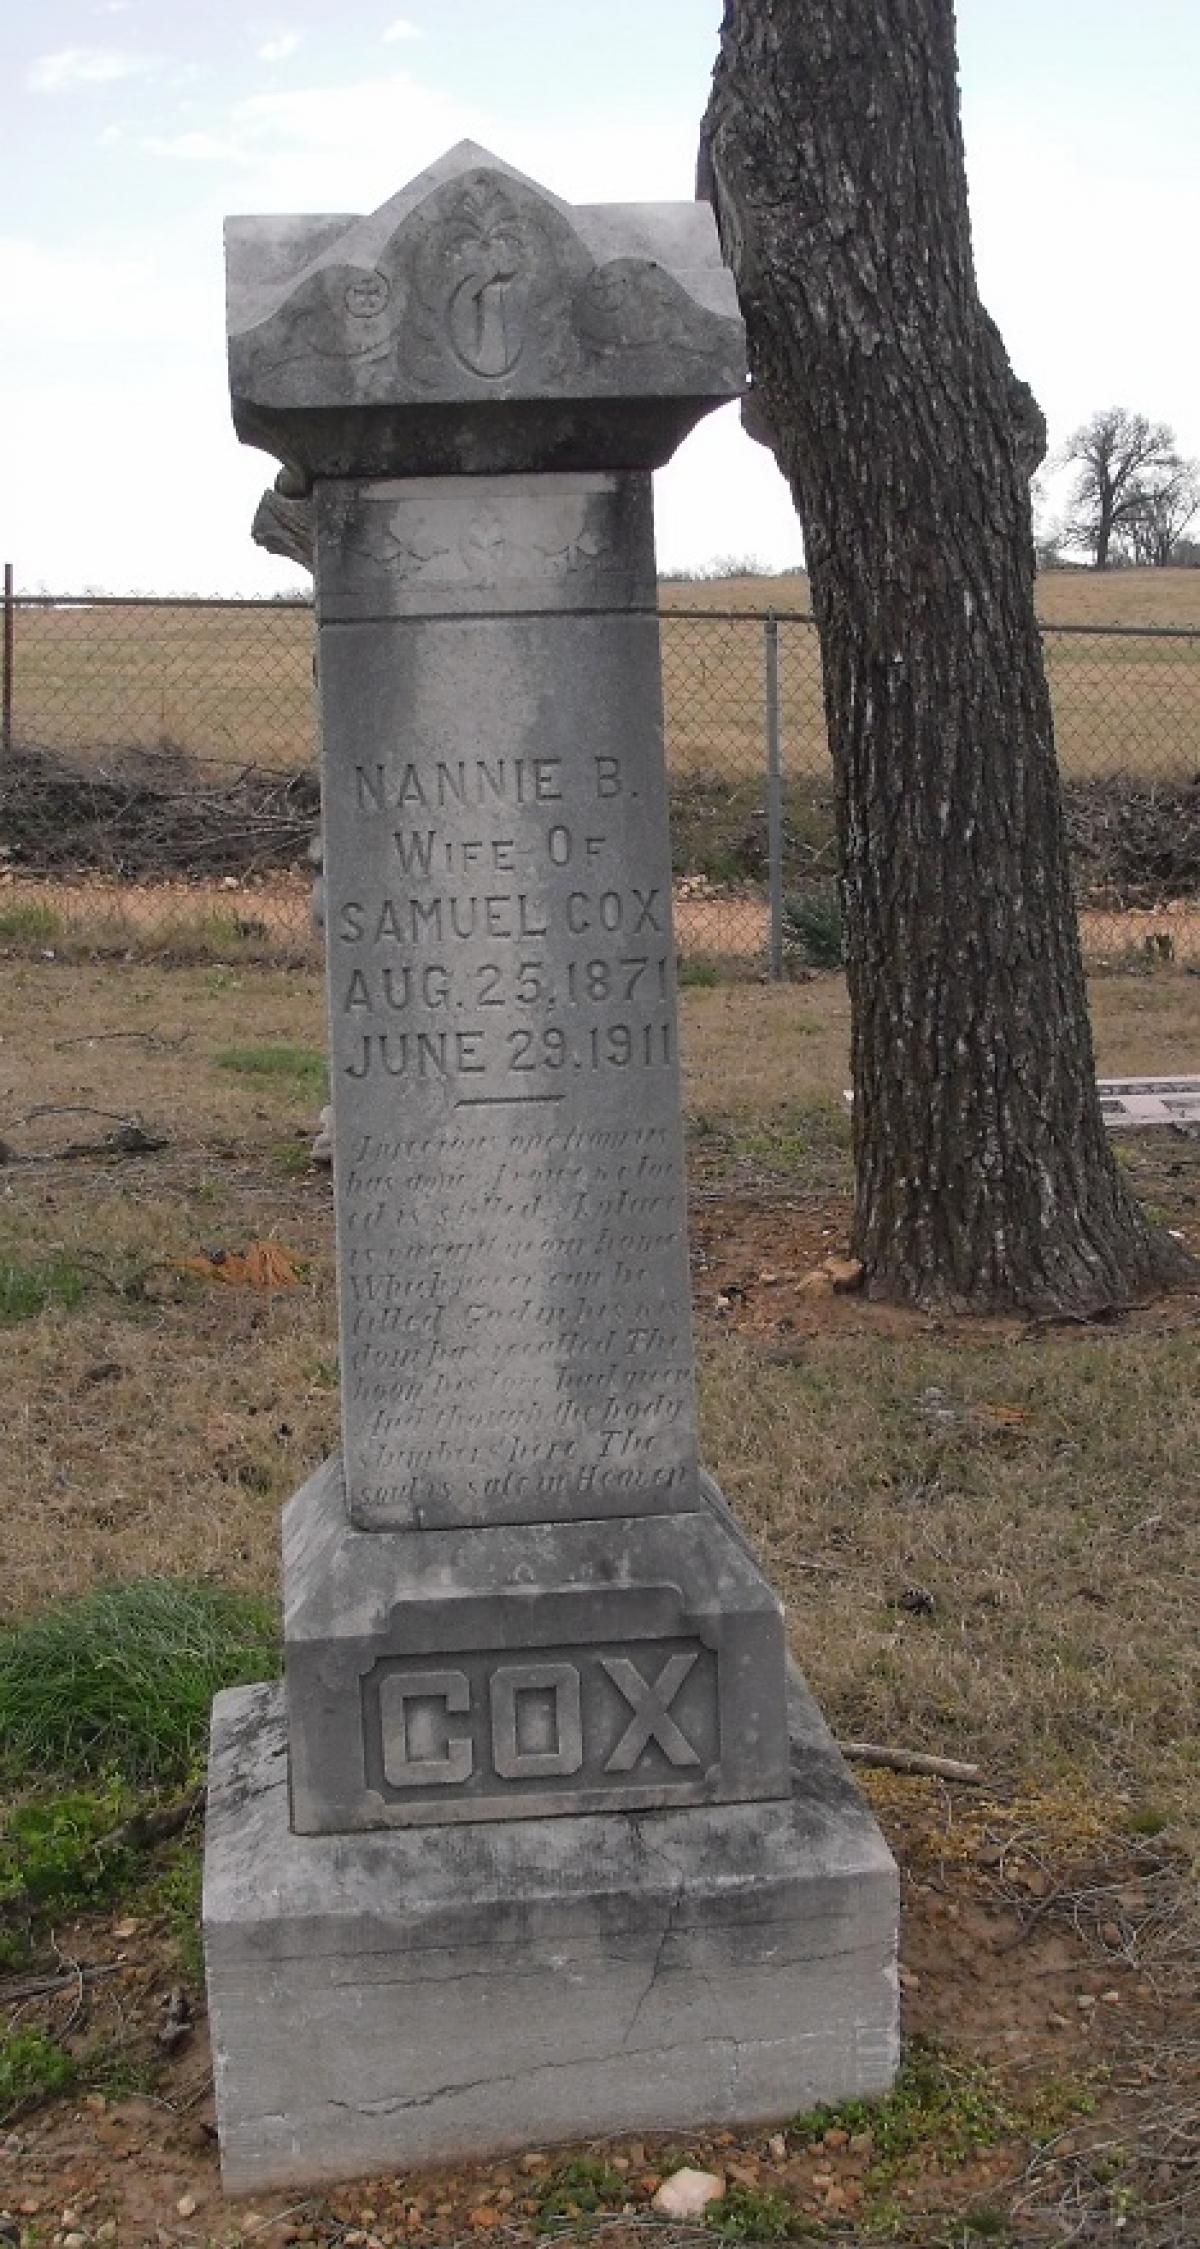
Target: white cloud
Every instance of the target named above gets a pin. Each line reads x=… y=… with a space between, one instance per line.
x=84 y=300
x=192 y=148
x=349 y=147
x=401 y=28
x=336 y=148
x=278 y=48
x=85 y=66
x=1089 y=312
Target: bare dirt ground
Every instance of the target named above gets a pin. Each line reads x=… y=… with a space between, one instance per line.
x=1047 y=1961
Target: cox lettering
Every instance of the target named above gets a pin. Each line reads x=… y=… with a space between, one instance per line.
x=612 y=910
x=535 y=1721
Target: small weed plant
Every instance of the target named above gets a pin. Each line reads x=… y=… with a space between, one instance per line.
x=756 y=2214
x=177 y=1894
x=936 y=2099
x=27 y=921
x=292 y=1159
x=812 y=927
x=32 y=2067
x=579 y=2189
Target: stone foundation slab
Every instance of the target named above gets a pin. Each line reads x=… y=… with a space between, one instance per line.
x=450 y=1993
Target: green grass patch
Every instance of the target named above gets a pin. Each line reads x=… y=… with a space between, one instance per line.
x=28 y=922
x=195 y=940
x=48 y=1851
x=32 y=2068
x=944 y=2105
x=300 y=1067
x=579 y=2189
x=29 y=1287
x=806 y=1139
x=756 y=2214
x=122 y=1681
x=292 y=1159
x=177 y=1894
x=938 y=2100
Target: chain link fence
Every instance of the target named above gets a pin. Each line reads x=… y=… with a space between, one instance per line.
x=158 y=790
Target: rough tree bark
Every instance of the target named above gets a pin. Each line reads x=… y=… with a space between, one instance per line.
x=832 y=151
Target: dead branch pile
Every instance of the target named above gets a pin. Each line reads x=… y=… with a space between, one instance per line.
x=147 y=814
x=1133 y=843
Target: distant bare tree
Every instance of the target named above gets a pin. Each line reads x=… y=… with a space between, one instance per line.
x=1123 y=459
x=1155 y=529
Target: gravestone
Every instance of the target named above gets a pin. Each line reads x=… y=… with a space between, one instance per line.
x=540 y=1839
x=1139 y=1104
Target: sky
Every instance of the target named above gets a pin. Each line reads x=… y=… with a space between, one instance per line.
x=130 y=127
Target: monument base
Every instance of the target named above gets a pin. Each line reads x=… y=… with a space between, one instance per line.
x=451 y=1993
x=510 y=1641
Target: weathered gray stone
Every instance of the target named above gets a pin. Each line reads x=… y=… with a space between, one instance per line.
x=511 y=1244
x=524 y=1671
x=284 y=526
x=452 y=1992
x=514 y=1594
x=477 y=323
x=1137 y=1104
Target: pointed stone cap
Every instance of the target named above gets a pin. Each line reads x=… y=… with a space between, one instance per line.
x=477 y=324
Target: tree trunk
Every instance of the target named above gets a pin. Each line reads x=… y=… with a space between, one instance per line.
x=1104 y=529
x=833 y=153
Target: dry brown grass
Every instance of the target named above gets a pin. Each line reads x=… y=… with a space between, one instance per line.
x=162 y=1427
x=1022 y=1592
x=235 y=683
x=1064 y=597
x=752 y=1052
x=161 y=1424
x=1119 y=705
x=1059 y=1541
x=269 y=920
x=223 y=682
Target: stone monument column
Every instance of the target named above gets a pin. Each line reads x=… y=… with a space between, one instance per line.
x=549 y=1860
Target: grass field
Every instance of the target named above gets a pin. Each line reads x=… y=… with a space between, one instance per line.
x=986 y=1535
x=158 y=1420
x=1119 y=705
x=235 y=683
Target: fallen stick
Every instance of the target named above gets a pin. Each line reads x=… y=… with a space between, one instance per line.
x=150 y=1038
x=41 y=1987
x=145 y=1829
x=911 y=1761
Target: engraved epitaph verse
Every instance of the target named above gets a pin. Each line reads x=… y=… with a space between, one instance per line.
x=501 y=979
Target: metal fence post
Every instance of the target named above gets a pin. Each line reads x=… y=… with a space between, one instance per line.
x=774 y=799
x=6 y=665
